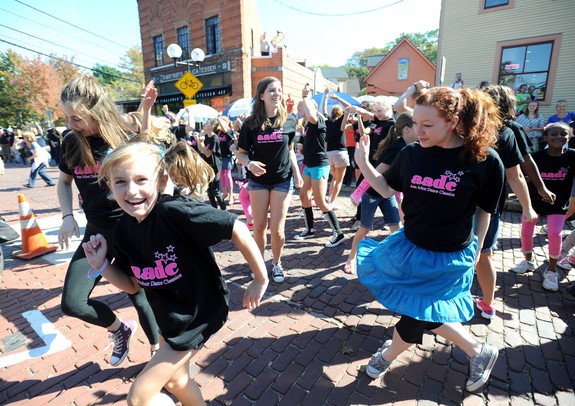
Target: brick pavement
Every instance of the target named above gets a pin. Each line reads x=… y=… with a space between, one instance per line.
x=307 y=342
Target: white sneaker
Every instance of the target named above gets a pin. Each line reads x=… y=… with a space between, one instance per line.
x=563 y=263
x=551 y=281
x=356 y=225
x=523 y=267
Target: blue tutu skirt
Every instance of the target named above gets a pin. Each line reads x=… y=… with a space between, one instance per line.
x=412 y=281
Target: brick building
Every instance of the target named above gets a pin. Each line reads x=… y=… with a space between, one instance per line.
x=229 y=33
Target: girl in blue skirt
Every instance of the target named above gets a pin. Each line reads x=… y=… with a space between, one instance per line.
x=451 y=180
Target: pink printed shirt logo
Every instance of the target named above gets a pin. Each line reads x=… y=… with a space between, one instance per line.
x=164 y=271
x=87 y=172
x=444 y=185
x=276 y=136
x=561 y=174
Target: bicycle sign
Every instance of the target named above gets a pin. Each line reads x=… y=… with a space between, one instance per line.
x=189 y=85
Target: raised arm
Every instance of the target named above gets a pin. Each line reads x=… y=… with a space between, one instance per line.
x=406 y=101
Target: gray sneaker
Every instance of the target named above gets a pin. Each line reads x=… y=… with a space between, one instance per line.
x=278 y=273
x=480 y=367
x=377 y=365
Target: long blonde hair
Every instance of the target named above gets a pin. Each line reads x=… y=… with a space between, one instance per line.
x=185 y=166
x=88 y=97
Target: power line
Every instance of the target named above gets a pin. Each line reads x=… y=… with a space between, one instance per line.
x=335 y=14
x=69 y=23
x=49 y=26
x=49 y=42
x=71 y=63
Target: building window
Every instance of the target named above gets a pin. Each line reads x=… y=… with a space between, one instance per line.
x=487 y=6
x=159 y=50
x=531 y=62
x=495 y=3
x=212 y=35
x=184 y=42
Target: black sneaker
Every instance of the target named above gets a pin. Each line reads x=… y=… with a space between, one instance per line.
x=307 y=233
x=121 y=339
x=335 y=240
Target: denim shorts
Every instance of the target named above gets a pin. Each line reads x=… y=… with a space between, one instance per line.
x=285 y=187
x=317 y=172
x=388 y=207
x=227 y=162
x=492 y=234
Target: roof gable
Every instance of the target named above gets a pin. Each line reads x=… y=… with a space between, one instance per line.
x=401 y=44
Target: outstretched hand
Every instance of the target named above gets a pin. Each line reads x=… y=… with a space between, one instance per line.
x=254 y=294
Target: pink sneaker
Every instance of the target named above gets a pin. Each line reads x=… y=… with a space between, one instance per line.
x=486 y=311
x=571 y=259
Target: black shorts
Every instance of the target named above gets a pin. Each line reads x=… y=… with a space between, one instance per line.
x=411 y=330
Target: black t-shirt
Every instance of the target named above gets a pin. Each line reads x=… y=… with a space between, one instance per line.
x=212 y=143
x=379 y=129
x=521 y=137
x=313 y=140
x=557 y=174
x=177 y=268
x=334 y=137
x=179 y=131
x=441 y=192
x=271 y=147
x=226 y=141
x=97 y=200
x=510 y=155
x=387 y=157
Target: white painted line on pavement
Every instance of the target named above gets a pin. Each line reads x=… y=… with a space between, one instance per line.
x=54 y=340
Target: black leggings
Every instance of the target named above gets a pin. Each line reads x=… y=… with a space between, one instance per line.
x=214 y=193
x=76 y=301
x=411 y=330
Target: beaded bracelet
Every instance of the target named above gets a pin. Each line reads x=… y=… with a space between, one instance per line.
x=92 y=274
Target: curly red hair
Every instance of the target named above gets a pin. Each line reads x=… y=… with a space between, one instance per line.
x=479 y=119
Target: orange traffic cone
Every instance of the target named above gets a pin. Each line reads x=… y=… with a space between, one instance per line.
x=34 y=243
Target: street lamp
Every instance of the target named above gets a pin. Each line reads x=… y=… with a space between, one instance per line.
x=175 y=52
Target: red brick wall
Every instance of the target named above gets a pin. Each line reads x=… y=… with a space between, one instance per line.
x=240 y=28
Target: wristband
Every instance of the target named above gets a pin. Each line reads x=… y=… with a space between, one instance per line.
x=92 y=274
x=67 y=215
x=248 y=166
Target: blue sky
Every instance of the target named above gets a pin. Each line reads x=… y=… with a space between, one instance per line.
x=321 y=31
